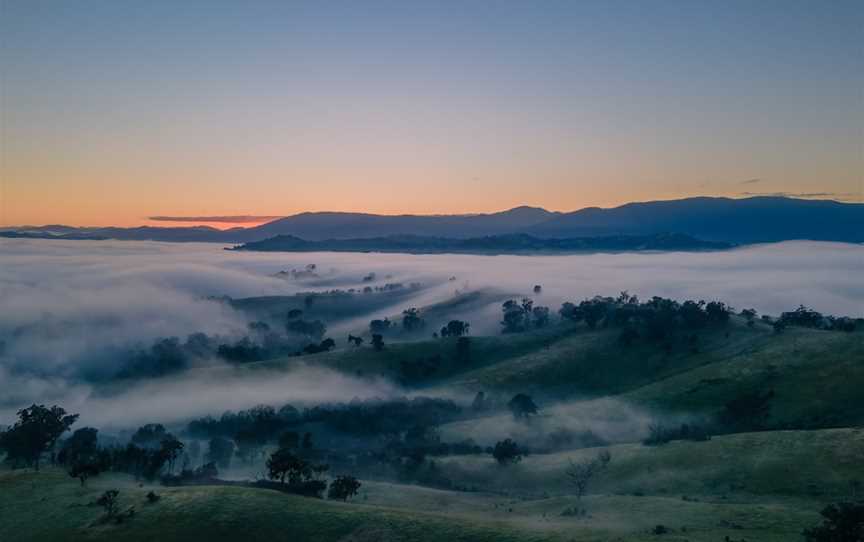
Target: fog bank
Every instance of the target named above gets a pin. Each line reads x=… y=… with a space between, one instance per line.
x=68 y=308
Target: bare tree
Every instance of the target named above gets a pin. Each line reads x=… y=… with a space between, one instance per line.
x=580 y=474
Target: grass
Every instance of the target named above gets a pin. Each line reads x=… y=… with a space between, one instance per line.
x=817 y=377
x=756 y=486
x=388 y=363
x=779 y=464
x=50 y=506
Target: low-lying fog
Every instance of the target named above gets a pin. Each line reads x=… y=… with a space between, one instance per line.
x=69 y=309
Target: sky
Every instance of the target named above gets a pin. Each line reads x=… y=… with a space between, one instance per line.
x=116 y=111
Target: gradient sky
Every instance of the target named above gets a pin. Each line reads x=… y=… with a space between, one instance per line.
x=114 y=111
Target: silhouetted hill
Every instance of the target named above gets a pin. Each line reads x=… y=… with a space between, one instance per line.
x=71 y=236
x=749 y=220
x=327 y=225
x=497 y=244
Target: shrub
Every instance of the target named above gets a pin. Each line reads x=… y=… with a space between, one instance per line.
x=843 y=522
x=506 y=452
x=343 y=487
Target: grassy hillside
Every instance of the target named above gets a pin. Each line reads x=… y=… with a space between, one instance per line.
x=757 y=486
x=393 y=359
x=739 y=466
x=764 y=486
x=624 y=518
x=817 y=377
x=50 y=506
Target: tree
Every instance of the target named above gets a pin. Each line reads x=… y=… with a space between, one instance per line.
x=150 y=435
x=247 y=444
x=455 y=328
x=569 y=311
x=379 y=326
x=80 y=454
x=314 y=330
x=165 y=356
x=540 y=316
x=36 y=431
x=82 y=443
x=580 y=474
x=718 y=312
x=242 y=351
x=284 y=464
x=693 y=314
x=343 y=487
x=170 y=449
x=843 y=522
x=289 y=414
x=506 y=452
x=522 y=406
x=220 y=452
x=515 y=316
x=803 y=317
x=594 y=310
x=83 y=470
x=411 y=320
x=377 y=342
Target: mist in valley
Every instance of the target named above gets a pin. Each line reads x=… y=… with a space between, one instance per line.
x=248 y=365
x=73 y=309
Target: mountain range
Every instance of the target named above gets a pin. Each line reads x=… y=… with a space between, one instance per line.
x=726 y=220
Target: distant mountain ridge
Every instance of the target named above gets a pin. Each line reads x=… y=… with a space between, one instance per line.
x=330 y=225
x=516 y=243
x=740 y=221
x=750 y=220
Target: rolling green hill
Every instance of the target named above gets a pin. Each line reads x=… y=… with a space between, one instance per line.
x=817 y=375
x=764 y=486
x=759 y=486
x=50 y=506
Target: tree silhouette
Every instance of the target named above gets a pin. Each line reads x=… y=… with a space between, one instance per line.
x=522 y=406
x=506 y=452
x=36 y=431
x=343 y=487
